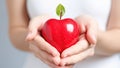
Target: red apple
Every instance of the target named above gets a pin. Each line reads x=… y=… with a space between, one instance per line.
x=61 y=33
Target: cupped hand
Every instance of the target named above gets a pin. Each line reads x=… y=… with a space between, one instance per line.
x=46 y=53
x=85 y=46
x=41 y=49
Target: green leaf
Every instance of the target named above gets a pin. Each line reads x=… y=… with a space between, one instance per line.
x=60 y=10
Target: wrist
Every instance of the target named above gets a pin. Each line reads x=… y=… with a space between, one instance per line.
x=101 y=48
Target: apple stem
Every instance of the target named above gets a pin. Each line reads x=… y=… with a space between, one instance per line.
x=60 y=15
x=60 y=10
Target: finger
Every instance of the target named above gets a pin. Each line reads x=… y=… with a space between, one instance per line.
x=91 y=37
x=42 y=44
x=80 y=46
x=53 y=62
x=81 y=25
x=46 y=62
x=35 y=25
x=31 y=35
x=46 y=57
x=38 y=21
x=78 y=57
x=91 y=27
x=91 y=32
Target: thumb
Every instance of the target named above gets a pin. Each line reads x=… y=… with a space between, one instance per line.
x=81 y=25
x=33 y=27
x=91 y=34
x=31 y=35
x=91 y=37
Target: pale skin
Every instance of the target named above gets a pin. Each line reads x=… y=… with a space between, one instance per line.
x=106 y=42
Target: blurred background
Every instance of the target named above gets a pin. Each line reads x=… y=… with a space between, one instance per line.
x=9 y=56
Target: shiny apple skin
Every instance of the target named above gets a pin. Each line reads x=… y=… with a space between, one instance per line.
x=61 y=33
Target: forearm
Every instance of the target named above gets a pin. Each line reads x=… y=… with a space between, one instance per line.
x=108 y=42
x=17 y=37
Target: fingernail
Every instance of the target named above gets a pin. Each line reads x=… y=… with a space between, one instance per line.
x=29 y=35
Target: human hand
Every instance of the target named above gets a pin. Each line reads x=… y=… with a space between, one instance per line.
x=43 y=50
x=39 y=47
x=86 y=44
